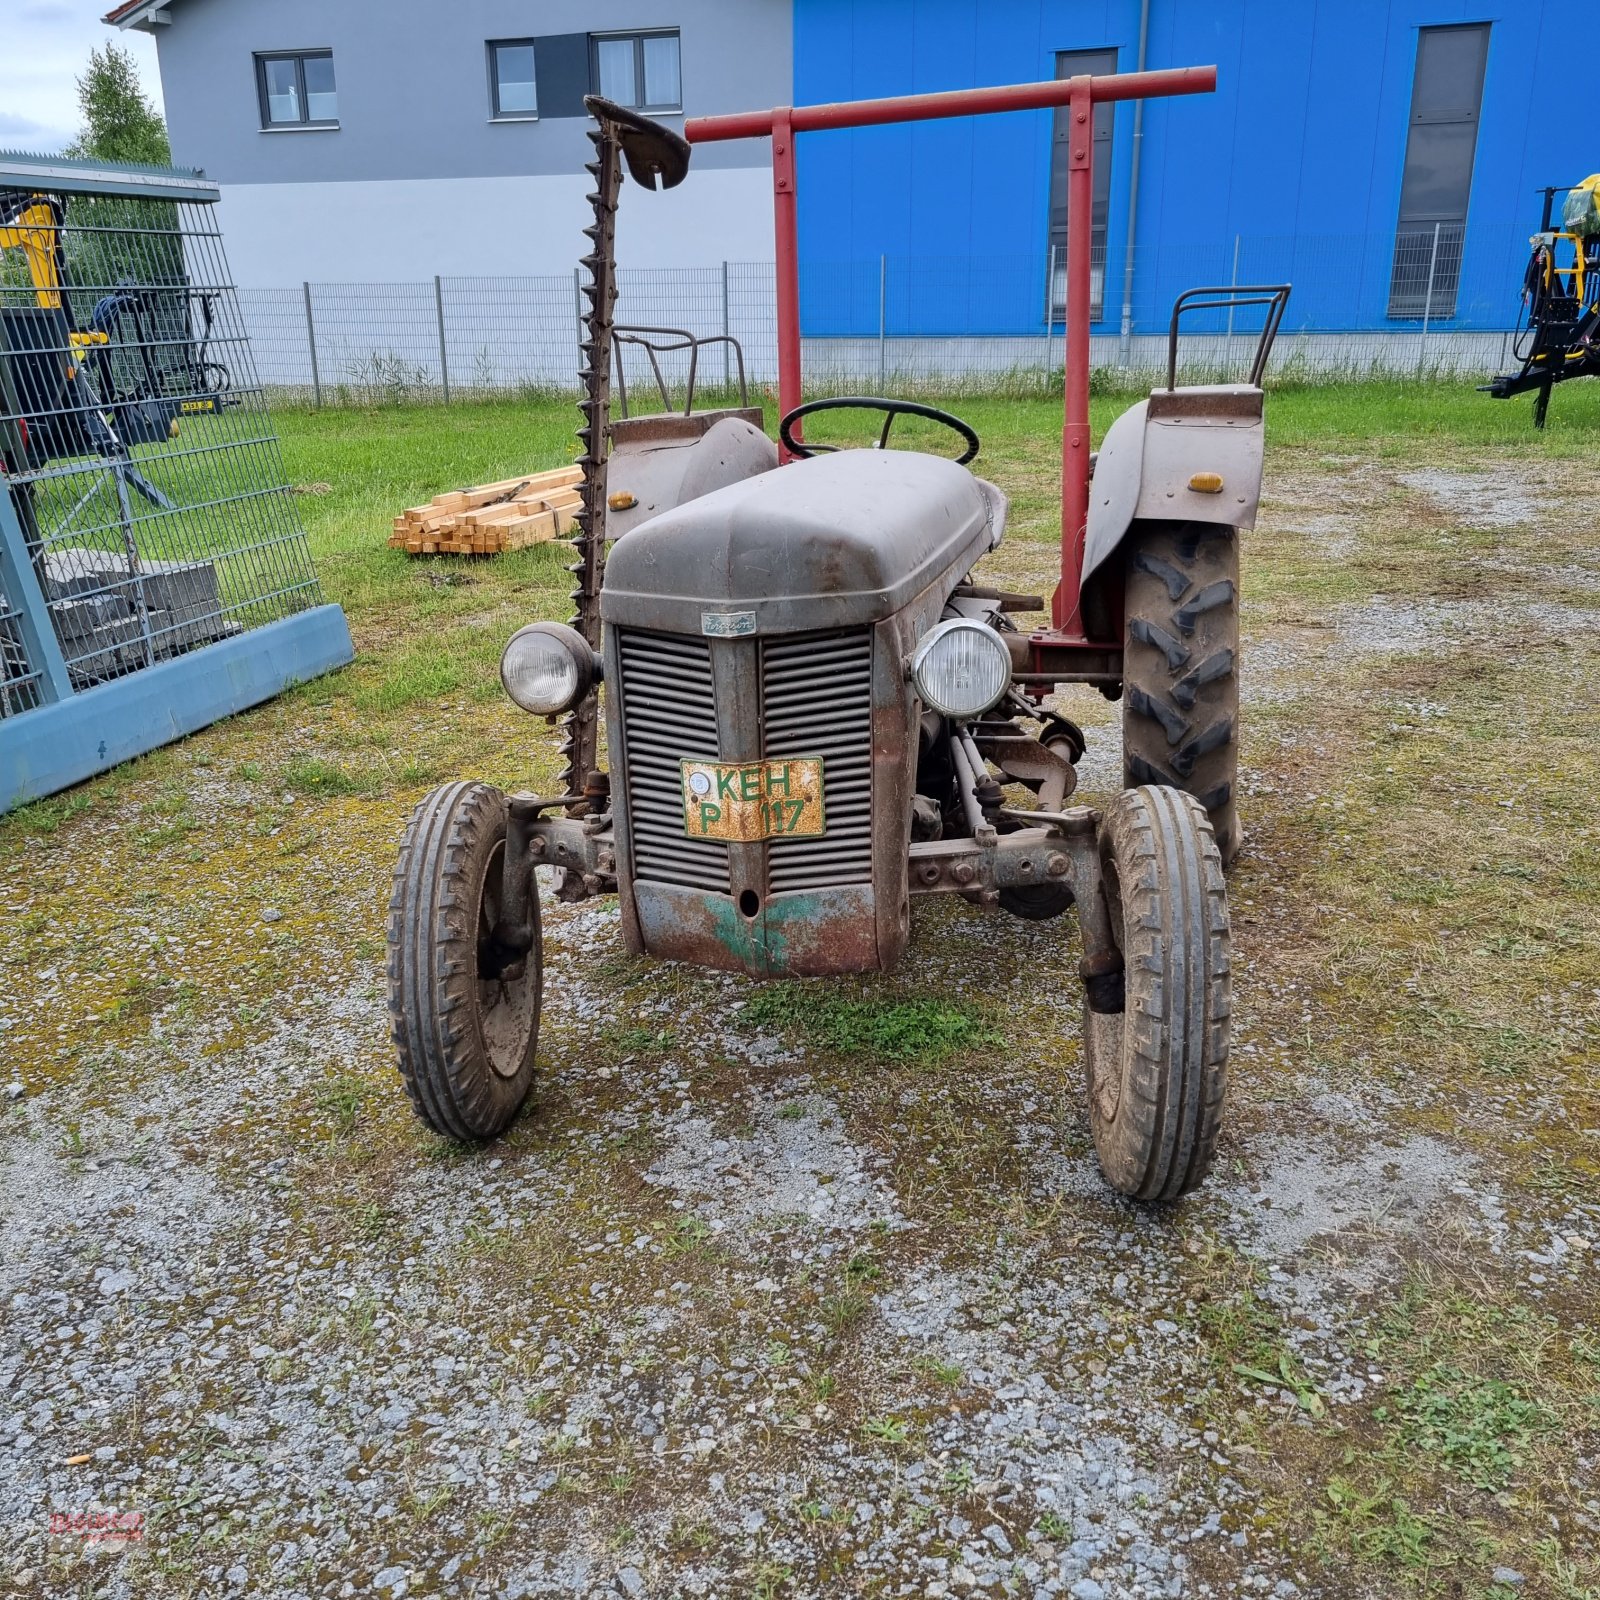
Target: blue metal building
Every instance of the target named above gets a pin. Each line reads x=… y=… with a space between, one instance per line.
x=1381 y=154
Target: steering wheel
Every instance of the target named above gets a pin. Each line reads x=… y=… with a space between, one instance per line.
x=891 y=408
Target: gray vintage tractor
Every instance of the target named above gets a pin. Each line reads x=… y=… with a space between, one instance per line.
x=814 y=711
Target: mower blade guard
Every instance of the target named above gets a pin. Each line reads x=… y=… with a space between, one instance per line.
x=651 y=150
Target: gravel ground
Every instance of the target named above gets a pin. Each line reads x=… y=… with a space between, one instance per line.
x=726 y=1316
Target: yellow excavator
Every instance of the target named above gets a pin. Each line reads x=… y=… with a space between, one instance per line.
x=1561 y=299
x=73 y=385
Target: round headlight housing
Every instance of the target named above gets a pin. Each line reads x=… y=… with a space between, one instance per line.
x=547 y=668
x=961 y=668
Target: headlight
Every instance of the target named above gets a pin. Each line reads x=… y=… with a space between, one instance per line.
x=548 y=668
x=961 y=668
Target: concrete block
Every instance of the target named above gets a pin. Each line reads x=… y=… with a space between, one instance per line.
x=188 y=587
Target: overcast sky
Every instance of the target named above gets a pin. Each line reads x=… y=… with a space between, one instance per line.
x=44 y=45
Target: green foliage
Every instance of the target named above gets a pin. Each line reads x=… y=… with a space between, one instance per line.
x=1378 y=1525
x=886 y=1430
x=925 y=1031
x=119 y=123
x=340 y=1099
x=312 y=775
x=1479 y=1426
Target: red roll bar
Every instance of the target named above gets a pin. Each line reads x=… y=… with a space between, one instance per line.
x=1080 y=94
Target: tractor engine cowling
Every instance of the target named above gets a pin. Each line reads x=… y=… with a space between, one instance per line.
x=750 y=634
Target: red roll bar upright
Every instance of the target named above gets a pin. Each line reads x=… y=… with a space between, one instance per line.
x=1080 y=95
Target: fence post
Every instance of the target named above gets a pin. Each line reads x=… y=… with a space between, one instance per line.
x=577 y=304
x=1427 y=303
x=727 y=349
x=883 y=321
x=311 y=343
x=444 y=365
x=1050 y=313
x=1233 y=283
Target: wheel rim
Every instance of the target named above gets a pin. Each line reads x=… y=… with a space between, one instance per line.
x=507 y=1007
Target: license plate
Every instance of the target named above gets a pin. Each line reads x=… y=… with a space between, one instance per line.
x=750 y=800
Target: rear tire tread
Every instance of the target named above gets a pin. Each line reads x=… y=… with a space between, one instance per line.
x=1181 y=699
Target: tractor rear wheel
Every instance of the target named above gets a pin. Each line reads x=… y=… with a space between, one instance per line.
x=1158 y=1067
x=1180 y=706
x=463 y=1009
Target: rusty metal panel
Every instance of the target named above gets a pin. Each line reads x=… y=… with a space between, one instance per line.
x=813 y=933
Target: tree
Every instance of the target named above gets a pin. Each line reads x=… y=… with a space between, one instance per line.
x=119 y=123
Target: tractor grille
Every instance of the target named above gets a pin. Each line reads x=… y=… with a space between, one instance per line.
x=816 y=701
x=669 y=711
x=816 y=697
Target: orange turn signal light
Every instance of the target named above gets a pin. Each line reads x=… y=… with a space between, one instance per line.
x=1206 y=483
x=622 y=501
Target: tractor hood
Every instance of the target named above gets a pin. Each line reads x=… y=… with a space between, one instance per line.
x=840 y=540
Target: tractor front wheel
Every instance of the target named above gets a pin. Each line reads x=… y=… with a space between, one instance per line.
x=1157 y=1064
x=463 y=1007
x=1180 y=705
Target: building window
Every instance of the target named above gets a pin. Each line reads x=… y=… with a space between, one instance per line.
x=1446 y=97
x=512 y=89
x=639 y=70
x=297 y=90
x=1072 y=64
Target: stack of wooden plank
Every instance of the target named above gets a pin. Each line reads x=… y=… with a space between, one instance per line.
x=508 y=515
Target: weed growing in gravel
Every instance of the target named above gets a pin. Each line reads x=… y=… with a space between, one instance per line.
x=886 y=1430
x=633 y=1040
x=920 y=1032
x=941 y=1372
x=688 y=1535
x=688 y=1236
x=1246 y=1337
x=340 y=1100
x=1052 y=1525
x=1378 y=1525
x=1479 y=1426
x=769 y=1580
x=313 y=776
x=843 y=1310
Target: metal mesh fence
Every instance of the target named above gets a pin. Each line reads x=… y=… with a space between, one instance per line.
x=1417 y=302
x=139 y=458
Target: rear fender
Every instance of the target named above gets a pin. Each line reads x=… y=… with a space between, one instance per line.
x=660 y=462
x=1153 y=450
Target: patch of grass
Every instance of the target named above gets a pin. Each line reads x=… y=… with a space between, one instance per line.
x=311 y=775
x=1377 y=1524
x=1054 y=1526
x=688 y=1236
x=690 y=1535
x=340 y=1100
x=1481 y=1427
x=842 y=1310
x=886 y=1430
x=1246 y=1338
x=923 y=1032
x=769 y=1580
x=631 y=1039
